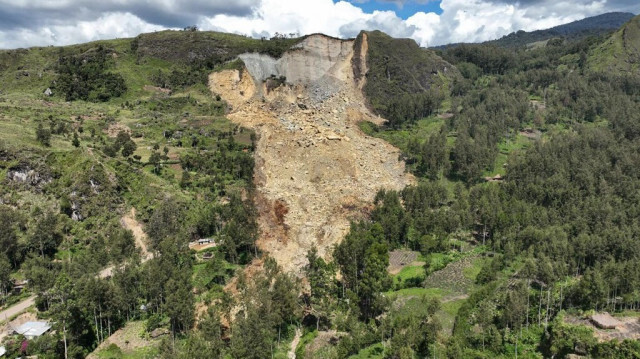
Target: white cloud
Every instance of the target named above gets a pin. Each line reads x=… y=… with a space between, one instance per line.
x=460 y=21
x=111 y=25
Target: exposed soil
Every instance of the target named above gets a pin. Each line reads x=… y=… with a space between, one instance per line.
x=294 y=343
x=401 y=259
x=128 y=339
x=129 y=222
x=115 y=128
x=315 y=170
x=452 y=278
x=628 y=329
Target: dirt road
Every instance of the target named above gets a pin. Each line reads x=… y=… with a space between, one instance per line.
x=16 y=309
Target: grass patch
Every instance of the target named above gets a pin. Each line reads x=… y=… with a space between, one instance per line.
x=114 y=352
x=409 y=272
x=370 y=352
x=305 y=340
x=506 y=148
x=418 y=292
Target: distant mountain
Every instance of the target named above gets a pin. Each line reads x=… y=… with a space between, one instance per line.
x=621 y=52
x=595 y=25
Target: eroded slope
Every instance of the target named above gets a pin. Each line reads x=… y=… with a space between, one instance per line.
x=315 y=170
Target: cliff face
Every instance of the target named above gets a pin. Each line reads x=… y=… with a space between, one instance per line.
x=307 y=62
x=315 y=170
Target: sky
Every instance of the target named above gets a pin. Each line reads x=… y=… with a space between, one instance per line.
x=26 y=23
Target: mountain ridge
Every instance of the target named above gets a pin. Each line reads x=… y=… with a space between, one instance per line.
x=589 y=26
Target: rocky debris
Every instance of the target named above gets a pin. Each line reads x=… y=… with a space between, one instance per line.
x=311 y=157
x=28 y=176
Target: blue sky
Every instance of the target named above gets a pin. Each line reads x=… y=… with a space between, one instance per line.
x=404 y=11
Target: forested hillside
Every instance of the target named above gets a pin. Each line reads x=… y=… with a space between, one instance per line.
x=591 y=26
x=129 y=214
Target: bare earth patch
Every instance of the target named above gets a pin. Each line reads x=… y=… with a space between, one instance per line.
x=401 y=259
x=115 y=128
x=129 y=221
x=128 y=339
x=629 y=328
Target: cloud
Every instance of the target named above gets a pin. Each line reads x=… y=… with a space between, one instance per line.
x=59 y=22
x=110 y=25
x=168 y=13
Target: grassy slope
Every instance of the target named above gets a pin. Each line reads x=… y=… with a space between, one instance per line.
x=26 y=73
x=621 y=53
x=187 y=47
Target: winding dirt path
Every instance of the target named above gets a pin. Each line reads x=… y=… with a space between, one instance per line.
x=294 y=344
x=129 y=221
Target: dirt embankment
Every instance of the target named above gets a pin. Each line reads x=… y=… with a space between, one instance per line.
x=315 y=170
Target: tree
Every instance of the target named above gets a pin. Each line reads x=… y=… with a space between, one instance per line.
x=9 y=220
x=5 y=274
x=76 y=141
x=154 y=160
x=391 y=216
x=375 y=280
x=128 y=148
x=185 y=181
x=43 y=135
x=179 y=304
x=46 y=235
x=363 y=258
x=321 y=282
x=62 y=301
x=165 y=222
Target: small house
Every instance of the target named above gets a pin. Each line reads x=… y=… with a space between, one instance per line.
x=19 y=285
x=202 y=241
x=32 y=330
x=605 y=321
x=207 y=255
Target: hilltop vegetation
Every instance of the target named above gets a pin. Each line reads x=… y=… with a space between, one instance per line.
x=621 y=52
x=559 y=223
x=403 y=81
x=592 y=26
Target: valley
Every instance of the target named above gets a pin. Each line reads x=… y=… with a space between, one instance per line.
x=196 y=194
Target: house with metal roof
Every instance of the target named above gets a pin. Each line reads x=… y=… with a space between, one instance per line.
x=32 y=329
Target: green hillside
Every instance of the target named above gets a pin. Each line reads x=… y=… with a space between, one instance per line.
x=521 y=224
x=621 y=52
x=122 y=129
x=404 y=81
